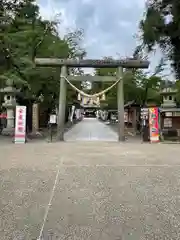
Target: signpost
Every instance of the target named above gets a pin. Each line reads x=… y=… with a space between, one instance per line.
x=20 y=125
x=52 y=121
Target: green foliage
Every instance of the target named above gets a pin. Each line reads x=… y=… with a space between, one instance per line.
x=177 y=86
x=161 y=26
x=24 y=36
x=137 y=86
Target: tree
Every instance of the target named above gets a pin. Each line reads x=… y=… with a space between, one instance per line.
x=161 y=26
x=138 y=86
x=26 y=36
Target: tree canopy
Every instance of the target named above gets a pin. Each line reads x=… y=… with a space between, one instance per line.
x=25 y=35
x=138 y=86
x=161 y=27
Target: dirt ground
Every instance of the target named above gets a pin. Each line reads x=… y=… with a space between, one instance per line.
x=103 y=191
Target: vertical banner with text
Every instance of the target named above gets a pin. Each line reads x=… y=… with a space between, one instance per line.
x=20 y=125
x=154 y=124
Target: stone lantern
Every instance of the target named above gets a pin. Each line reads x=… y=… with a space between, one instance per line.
x=168 y=95
x=10 y=104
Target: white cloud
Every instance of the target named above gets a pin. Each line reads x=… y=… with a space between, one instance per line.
x=109 y=26
x=125 y=24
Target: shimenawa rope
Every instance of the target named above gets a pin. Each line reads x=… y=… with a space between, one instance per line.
x=91 y=95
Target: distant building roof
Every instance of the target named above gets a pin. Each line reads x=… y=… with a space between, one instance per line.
x=169 y=109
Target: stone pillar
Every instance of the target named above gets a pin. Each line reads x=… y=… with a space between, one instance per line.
x=120 y=104
x=35 y=118
x=134 y=122
x=62 y=104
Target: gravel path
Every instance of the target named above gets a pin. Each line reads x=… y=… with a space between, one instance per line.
x=105 y=191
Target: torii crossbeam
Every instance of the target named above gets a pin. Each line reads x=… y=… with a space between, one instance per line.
x=91 y=63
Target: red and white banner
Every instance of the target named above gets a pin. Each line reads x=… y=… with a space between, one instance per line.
x=20 y=125
x=154 y=124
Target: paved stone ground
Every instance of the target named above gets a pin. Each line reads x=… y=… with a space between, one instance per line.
x=43 y=136
x=103 y=191
x=90 y=129
x=130 y=137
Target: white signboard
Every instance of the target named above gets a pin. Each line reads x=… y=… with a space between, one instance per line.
x=78 y=113
x=144 y=113
x=126 y=117
x=72 y=113
x=52 y=119
x=168 y=114
x=20 y=125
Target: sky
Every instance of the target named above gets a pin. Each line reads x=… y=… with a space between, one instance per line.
x=109 y=26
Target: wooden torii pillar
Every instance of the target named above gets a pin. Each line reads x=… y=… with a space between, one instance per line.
x=91 y=63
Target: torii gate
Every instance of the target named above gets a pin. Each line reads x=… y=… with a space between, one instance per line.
x=64 y=64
